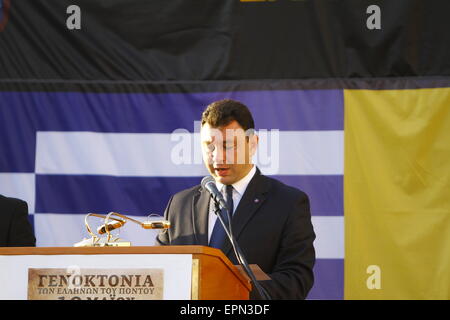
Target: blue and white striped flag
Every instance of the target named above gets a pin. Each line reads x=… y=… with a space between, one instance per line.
x=70 y=153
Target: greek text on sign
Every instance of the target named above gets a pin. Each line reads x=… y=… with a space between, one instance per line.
x=95 y=284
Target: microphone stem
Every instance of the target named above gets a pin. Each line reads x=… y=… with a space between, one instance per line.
x=238 y=252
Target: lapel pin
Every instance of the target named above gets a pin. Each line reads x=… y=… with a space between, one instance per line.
x=256 y=200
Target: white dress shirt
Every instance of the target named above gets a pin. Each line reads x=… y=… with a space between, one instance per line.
x=238 y=191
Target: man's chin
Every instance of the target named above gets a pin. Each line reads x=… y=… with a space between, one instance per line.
x=223 y=179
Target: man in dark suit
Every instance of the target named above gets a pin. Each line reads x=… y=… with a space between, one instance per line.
x=15 y=228
x=271 y=221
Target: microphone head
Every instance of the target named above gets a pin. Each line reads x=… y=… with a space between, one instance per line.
x=209 y=184
x=110 y=226
x=206 y=180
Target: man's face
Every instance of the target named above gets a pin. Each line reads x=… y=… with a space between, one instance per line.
x=227 y=151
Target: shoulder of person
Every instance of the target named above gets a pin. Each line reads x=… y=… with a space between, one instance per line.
x=186 y=193
x=11 y=202
x=285 y=191
x=11 y=206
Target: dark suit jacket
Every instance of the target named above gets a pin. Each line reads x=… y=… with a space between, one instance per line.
x=15 y=228
x=272 y=224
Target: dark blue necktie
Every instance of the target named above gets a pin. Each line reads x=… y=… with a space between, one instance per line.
x=218 y=234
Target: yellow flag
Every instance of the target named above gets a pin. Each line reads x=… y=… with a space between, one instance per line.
x=397 y=194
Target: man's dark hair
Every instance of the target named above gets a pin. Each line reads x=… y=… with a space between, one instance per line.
x=221 y=113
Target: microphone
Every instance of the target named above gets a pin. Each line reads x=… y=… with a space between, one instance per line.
x=209 y=184
x=157 y=224
x=110 y=226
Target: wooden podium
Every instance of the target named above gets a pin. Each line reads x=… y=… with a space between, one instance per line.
x=213 y=276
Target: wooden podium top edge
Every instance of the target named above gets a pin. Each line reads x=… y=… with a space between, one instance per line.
x=109 y=250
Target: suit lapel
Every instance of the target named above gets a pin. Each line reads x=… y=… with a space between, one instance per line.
x=251 y=201
x=200 y=213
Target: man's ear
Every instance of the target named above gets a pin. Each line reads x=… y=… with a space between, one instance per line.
x=253 y=144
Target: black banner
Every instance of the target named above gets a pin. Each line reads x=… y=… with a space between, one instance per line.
x=158 y=40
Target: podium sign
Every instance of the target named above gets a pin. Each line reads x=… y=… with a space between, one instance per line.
x=95 y=284
x=83 y=277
